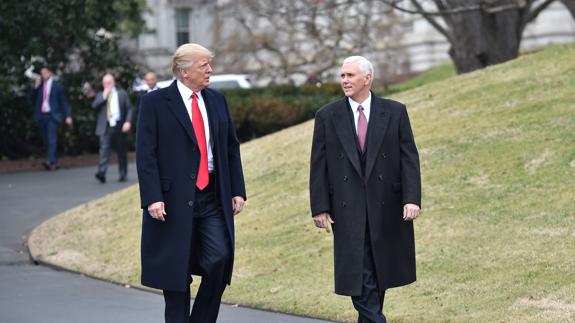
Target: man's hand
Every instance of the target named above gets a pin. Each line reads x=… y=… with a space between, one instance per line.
x=69 y=121
x=126 y=127
x=37 y=82
x=410 y=212
x=237 y=204
x=323 y=221
x=107 y=91
x=157 y=211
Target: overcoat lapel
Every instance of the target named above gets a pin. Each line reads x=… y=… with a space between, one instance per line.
x=178 y=108
x=378 y=121
x=346 y=134
x=213 y=116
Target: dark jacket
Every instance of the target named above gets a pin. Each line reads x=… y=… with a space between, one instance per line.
x=167 y=159
x=100 y=103
x=392 y=179
x=59 y=106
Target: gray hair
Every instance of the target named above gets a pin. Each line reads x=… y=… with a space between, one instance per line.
x=365 y=65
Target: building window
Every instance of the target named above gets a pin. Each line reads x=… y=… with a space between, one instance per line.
x=182 y=26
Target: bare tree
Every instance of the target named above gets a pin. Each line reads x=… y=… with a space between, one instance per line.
x=284 y=40
x=480 y=32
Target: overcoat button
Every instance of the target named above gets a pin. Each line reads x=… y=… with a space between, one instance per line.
x=340 y=156
x=190 y=203
x=343 y=204
x=345 y=178
x=383 y=155
x=193 y=176
x=382 y=202
x=380 y=177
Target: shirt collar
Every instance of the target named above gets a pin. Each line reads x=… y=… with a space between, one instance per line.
x=186 y=92
x=366 y=104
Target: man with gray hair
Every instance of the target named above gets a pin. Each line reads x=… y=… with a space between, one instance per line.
x=191 y=187
x=365 y=185
x=114 y=123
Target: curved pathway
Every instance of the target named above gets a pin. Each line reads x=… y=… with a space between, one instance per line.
x=31 y=293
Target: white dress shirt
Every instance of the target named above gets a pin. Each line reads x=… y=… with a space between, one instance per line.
x=114 y=107
x=186 y=94
x=47 y=84
x=366 y=109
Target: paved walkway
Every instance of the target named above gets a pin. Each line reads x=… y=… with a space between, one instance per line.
x=30 y=293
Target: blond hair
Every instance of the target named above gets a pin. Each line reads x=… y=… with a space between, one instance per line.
x=186 y=55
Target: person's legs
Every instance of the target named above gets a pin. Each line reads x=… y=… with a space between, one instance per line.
x=104 y=155
x=213 y=256
x=369 y=304
x=120 y=147
x=52 y=141
x=177 y=306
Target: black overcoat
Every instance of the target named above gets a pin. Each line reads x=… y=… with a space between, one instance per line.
x=391 y=179
x=167 y=159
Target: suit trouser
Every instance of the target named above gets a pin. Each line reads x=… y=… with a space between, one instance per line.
x=211 y=251
x=113 y=138
x=49 y=131
x=369 y=304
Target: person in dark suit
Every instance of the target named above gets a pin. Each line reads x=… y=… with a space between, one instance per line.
x=152 y=82
x=50 y=108
x=365 y=184
x=114 y=122
x=191 y=186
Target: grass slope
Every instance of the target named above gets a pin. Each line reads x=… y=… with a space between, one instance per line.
x=495 y=241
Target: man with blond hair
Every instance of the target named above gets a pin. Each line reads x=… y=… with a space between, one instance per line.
x=191 y=186
x=365 y=184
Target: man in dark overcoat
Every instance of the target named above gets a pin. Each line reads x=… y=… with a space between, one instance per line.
x=191 y=186
x=365 y=184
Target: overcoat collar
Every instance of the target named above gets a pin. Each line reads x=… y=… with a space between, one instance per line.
x=212 y=112
x=179 y=109
x=346 y=133
x=377 y=126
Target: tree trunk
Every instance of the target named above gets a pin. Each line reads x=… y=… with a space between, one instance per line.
x=480 y=39
x=570 y=4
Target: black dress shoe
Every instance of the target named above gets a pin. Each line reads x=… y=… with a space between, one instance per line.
x=101 y=177
x=122 y=179
x=47 y=165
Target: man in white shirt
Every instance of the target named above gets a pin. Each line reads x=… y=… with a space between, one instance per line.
x=50 y=108
x=191 y=187
x=114 y=122
x=365 y=184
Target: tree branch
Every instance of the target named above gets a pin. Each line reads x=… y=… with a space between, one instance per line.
x=481 y=6
x=432 y=21
x=536 y=11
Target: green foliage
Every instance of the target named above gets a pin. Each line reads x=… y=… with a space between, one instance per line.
x=79 y=40
x=260 y=111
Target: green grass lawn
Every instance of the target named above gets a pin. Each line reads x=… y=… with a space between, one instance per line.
x=495 y=240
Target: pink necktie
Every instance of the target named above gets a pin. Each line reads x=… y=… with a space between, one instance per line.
x=198 y=124
x=361 y=128
x=45 y=97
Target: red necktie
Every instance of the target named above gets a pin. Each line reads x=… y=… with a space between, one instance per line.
x=361 y=128
x=198 y=123
x=44 y=97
